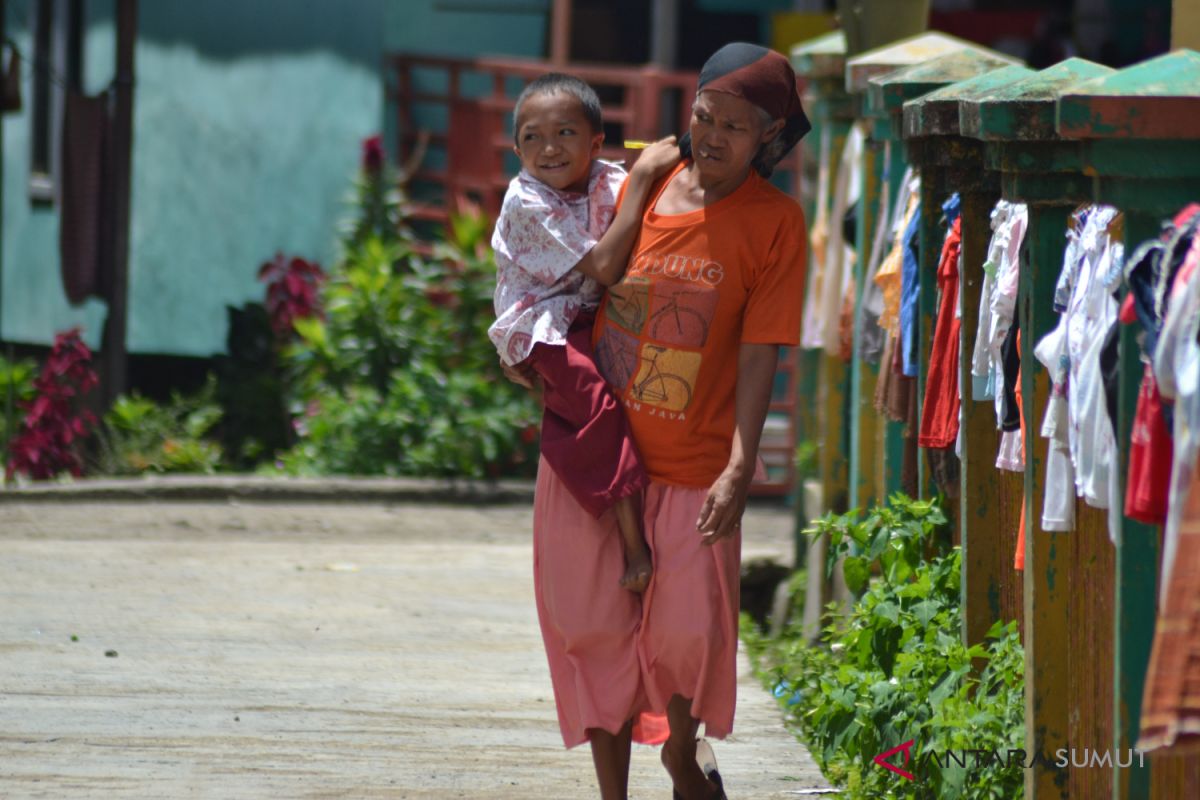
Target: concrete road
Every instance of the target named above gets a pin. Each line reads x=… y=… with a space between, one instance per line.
x=268 y=650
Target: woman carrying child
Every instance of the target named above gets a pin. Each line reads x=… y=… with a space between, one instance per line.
x=688 y=340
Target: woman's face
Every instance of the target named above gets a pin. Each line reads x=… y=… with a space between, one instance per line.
x=726 y=134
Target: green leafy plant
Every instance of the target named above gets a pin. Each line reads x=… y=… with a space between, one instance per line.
x=139 y=435
x=399 y=376
x=894 y=538
x=895 y=669
x=16 y=388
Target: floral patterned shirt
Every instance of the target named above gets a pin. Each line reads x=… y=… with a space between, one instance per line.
x=541 y=235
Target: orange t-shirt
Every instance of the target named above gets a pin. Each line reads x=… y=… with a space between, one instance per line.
x=667 y=336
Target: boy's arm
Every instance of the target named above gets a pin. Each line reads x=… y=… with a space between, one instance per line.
x=605 y=263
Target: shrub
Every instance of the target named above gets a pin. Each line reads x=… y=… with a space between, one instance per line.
x=896 y=670
x=399 y=376
x=16 y=388
x=139 y=435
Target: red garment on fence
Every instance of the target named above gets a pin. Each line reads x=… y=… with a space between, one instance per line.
x=1019 y=555
x=1150 y=459
x=585 y=436
x=939 y=412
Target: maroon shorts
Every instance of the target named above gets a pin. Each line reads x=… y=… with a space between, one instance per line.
x=585 y=436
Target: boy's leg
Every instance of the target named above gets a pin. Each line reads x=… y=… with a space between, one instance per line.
x=638 y=566
x=585 y=437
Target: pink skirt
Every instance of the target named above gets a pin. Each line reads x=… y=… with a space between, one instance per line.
x=614 y=655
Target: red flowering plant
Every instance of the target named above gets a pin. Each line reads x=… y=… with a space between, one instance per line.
x=373 y=157
x=379 y=199
x=292 y=291
x=55 y=423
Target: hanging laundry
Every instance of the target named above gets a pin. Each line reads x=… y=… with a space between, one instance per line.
x=818 y=239
x=888 y=276
x=837 y=265
x=1081 y=356
x=872 y=335
x=1177 y=368
x=910 y=293
x=939 y=412
x=1151 y=448
x=1009 y=221
x=1170 y=717
x=1091 y=311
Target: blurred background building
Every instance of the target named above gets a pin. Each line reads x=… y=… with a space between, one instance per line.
x=247 y=115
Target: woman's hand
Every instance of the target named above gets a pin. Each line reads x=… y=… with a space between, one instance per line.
x=721 y=514
x=657 y=159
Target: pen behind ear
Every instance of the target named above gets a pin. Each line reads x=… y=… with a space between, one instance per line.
x=685 y=145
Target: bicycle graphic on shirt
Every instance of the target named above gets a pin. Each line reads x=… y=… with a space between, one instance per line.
x=657 y=387
x=673 y=321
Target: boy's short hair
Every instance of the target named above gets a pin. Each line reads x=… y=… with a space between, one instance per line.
x=553 y=82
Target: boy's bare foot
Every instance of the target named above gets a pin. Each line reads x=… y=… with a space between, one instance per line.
x=638 y=569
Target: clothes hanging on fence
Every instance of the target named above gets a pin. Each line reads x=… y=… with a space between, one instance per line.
x=1148 y=273
x=824 y=318
x=1080 y=355
x=1177 y=368
x=939 y=411
x=888 y=276
x=818 y=239
x=910 y=293
x=1009 y=221
x=1170 y=705
x=995 y=359
x=872 y=335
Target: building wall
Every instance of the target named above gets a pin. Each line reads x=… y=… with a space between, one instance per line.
x=248 y=119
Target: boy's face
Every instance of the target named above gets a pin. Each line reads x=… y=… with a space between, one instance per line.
x=555 y=141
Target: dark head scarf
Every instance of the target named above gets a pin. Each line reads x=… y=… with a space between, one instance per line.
x=762 y=76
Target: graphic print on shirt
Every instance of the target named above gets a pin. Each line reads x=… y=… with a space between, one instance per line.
x=681 y=314
x=659 y=319
x=628 y=303
x=616 y=355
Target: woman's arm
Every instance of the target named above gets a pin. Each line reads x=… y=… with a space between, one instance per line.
x=721 y=514
x=605 y=263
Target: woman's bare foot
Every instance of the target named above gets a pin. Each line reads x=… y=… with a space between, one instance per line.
x=690 y=782
x=638 y=569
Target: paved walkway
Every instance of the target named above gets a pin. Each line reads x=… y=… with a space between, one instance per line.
x=288 y=650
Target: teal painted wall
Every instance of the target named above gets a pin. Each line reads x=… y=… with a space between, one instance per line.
x=248 y=119
x=464 y=28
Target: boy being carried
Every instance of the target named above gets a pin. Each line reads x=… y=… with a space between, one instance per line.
x=558 y=240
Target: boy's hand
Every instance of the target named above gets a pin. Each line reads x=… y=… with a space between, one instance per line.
x=657 y=159
x=525 y=376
